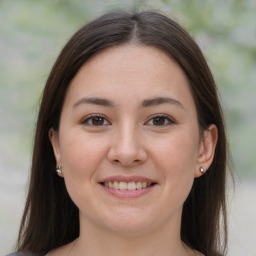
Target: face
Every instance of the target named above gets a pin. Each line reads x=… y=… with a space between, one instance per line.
x=129 y=140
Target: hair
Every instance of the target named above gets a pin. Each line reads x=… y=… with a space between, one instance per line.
x=50 y=217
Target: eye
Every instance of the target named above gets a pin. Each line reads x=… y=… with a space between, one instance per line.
x=160 y=121
x=96 y=120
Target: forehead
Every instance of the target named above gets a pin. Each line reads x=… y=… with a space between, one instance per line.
x=134 y=71
x=130 y=57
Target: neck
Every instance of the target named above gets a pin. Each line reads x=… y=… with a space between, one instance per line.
x=95 y=241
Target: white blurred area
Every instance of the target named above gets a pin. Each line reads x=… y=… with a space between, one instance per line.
x=242 y=219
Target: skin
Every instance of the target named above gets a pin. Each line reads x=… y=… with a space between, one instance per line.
x=129 y=140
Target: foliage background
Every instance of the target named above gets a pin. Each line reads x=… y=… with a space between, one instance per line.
x=33 y=32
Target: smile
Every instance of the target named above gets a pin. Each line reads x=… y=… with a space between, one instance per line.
x=127 y=187
x=121 y=185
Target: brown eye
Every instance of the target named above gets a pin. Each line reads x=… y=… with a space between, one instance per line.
x=96 y=121
x=160 y=121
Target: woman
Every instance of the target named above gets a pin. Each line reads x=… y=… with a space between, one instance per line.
x=130 y=147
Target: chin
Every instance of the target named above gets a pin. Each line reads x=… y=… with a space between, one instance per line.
x=130 y=222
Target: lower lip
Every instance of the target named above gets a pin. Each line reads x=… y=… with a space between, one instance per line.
x=128 y=193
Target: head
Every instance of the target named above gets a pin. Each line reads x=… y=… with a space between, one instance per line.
x=49 y=205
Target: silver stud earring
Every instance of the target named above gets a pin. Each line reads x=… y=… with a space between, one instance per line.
x=59 y=169
x=201 y=169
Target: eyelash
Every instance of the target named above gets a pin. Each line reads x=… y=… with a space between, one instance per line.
x=88 y=121
x=165 y=117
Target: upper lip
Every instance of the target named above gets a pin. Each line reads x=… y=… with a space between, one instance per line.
x=121 y=178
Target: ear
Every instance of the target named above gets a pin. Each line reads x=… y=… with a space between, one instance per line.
x=54 y=138
x=206 y=149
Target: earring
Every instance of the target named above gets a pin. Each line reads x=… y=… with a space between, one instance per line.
x=201 y=169
x=59 y=169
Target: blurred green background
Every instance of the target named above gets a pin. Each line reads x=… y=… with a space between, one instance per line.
x=33 y=32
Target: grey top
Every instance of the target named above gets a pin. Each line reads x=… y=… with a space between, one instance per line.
x=29 y=254
x=24 y=254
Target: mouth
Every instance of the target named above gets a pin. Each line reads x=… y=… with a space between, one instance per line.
x=127 y=187
x=122 y=185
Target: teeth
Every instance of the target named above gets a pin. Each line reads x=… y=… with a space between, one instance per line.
x=131 y=186
x=139 y=185
x=110 y=184
x=116 y=186
x=127 y=185
x=123 y=185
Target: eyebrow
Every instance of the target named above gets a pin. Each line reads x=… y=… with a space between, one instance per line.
x=94 y=100
x=146 y=103
x=161 y=100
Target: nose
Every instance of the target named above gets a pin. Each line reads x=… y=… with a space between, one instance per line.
x=127 y=148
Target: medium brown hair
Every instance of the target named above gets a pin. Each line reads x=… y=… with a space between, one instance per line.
x=50 y=217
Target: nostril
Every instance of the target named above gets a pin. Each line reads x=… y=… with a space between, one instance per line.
x=127 y=162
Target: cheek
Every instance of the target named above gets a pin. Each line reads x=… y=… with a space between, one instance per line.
x=81 y=153
x=176 y=161
x=81 y=156
x=178 y=151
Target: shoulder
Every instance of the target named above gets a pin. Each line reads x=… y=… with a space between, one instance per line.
x=24 y=254
x=60 y=251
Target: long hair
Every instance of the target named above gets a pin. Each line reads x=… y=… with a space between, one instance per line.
x=50 y=217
